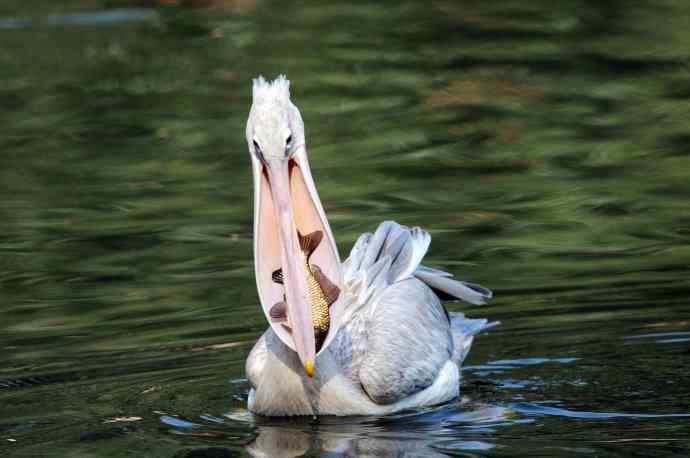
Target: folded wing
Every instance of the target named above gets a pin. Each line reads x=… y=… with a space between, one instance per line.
x=408 y=334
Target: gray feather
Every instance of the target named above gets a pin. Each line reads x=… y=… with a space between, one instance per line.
x=408 y=341
x=442 y=281
x=401 y=334
x=463 y=331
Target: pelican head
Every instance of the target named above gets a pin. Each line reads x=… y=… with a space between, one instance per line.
x=286 y=204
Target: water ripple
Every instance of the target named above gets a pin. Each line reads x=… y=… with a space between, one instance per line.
x=542 y=410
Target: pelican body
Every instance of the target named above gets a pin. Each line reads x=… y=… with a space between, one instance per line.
x=368 y=336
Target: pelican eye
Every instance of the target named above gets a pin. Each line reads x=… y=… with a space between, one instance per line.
x=288 y=143
x=257 y=150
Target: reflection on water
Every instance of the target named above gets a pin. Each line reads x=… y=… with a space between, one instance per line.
x=426 y=433
x=545 y=147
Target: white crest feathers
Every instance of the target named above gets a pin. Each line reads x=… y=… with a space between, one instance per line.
x=278 y=89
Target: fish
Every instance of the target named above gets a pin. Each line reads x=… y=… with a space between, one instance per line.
x=322 y=293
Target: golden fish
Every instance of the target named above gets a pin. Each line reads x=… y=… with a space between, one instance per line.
x=322 y=293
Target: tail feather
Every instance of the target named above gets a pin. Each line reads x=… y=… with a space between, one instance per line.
x=445 y=283
x=463 y=331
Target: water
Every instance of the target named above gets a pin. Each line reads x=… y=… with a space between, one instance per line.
x=545 y=147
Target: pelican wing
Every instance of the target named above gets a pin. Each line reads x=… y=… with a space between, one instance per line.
x=394 y=253
x=408 y=341
x=407 y=335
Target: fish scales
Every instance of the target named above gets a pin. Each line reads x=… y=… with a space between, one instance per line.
x=317 y=298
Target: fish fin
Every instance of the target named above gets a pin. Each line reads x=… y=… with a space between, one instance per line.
x=310 y=242
x=277 y=276
x=330 y=290
x=278 y=312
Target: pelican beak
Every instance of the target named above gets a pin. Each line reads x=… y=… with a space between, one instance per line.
x=286 y=203
x=297 y=307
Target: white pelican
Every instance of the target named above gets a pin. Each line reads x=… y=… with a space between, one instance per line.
x=365 y=337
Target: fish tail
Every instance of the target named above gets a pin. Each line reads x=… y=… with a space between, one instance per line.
x=309 y=242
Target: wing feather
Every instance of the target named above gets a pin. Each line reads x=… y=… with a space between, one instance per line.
x=444 y=282
x=408 y=341
x=405 y=248
x=405 y=336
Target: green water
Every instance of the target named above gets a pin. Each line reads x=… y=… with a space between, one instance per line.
x=545 y=146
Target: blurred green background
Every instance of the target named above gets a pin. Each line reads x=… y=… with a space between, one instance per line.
x=544 y=146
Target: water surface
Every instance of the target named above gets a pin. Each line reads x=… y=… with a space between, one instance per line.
x=544 y=146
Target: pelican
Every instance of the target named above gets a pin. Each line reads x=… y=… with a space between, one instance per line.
x=368 y=336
